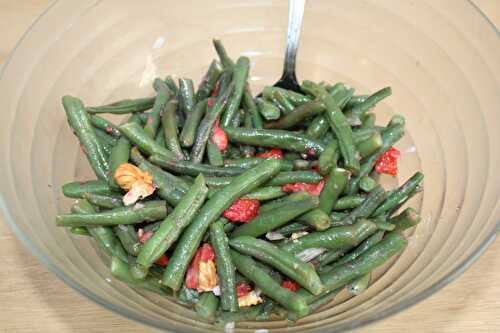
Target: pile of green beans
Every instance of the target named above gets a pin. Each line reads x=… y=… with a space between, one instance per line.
x=304 y=159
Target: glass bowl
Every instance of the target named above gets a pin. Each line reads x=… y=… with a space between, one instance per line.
x=442 y=65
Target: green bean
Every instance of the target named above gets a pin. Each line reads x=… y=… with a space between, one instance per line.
x=328 y=158
x=226 y=61
x=160 y=138
x=370 y=145
x=407 y=219
x=369 y=205
x=374 y=257
x=154 y=117
x=192 y=236
x=250 y=162
x=214 y=154
x=218 y=181
x=240 y=75
x=192 y=121
x=298 y=116
x=360 y=249
x=169 y=124
x=104 y=236
x=171 y=228
x=120 y=154
x=355 y=100
x=358 y=286
x=187 y=296
x=104 y=200
x=333 y=238
x=105 y=125
x=323 y=299
x=170 y=82
x=384 y=225
x=334 y=186
x=337 y=217
x=294 y=97
x=207 y=123
x=120 y=270
x=400 y=194
x=229 y=227
x=285 y=105
x=140 y=212
x=207 y=306
x=367 y=183
x=128 y=238
x=225 y=267
x=319 y=125
x=107 y=141
x=268 y=286
x=316 y=218
x=266 y=193
x=187 y=99
x=389 y=137
x=317 y=128
x=330 y=256
x=251 y=108
x=397 y=120
x=291 y=228
x=289 y=177
x=170 y=187
x=270 y=220
x=209 y=81
x=349 y=202
x=300 y=272
x=78 y=120
x=237 y=118
x=152 y=226
x=267 y=109
x=79 y=231
x=359 y=109
x=247 y=151
x=78 y=189
x=192 y=169
x=343 y=132
x=363 y=134
x=138 y=136
x=368 y=120
x=276 y=139
x=124 y=106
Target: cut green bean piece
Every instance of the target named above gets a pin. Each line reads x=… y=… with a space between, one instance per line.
x=170 y=131
x=209 y=81
x=148 y=211
x=207 y=306
x=267 y=109
x=120 y=270
x=407 y=219
x=192 y=121
x=275 y=139
x=358 y=286
x=125 y=106
x=334 y=186
x=268 y=286
x=192 y=169
x=78 y=120
x=104 y=236
x=225 y=267
x=146 y=144
x=400 y=194
x=105 y=125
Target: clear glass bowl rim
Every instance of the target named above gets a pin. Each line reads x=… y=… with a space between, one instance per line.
x=47 y=262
